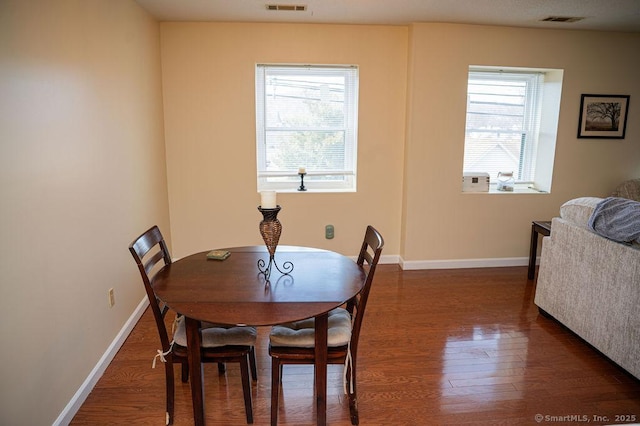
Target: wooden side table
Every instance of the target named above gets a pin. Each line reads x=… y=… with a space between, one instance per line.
x=537 y=228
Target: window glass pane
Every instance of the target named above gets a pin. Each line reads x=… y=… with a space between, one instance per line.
x=316 y=150
x=304 y=101
x=306 y=116
x=501 y=123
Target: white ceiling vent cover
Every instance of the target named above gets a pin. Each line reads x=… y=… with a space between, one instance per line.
x=287 y=7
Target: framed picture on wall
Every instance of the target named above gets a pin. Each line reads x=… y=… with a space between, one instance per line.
x=603 y=116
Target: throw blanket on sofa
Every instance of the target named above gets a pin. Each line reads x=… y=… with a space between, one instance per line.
x=617 y=219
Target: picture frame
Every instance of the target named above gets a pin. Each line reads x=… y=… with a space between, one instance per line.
x=603 y=116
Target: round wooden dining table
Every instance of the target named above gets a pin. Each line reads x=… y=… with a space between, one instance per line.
x=234 y=292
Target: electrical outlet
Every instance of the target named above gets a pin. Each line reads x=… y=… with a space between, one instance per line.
x=328 y=232
x=112 y=299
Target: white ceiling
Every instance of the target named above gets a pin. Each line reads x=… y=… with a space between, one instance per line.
x=604 y=15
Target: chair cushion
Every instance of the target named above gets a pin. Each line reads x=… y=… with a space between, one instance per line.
x=216 y=336
x=301 y=334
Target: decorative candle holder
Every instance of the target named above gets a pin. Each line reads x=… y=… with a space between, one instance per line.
x=302 y=188
x=270 y=229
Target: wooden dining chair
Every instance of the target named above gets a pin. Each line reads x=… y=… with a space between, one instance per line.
x=220 y=344
x=293 y=343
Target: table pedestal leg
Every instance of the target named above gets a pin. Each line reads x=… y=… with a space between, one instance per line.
x=195 y=370
x=321 y=324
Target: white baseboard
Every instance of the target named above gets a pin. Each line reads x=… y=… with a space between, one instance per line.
x=463 y=263
x=408 y=265
x=393 y=259
x=81 y=395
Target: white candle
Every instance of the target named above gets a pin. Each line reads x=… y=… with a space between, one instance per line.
x=302 y=170
x=268 y=199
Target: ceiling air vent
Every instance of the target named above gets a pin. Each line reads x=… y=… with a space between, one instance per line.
x=562 y=19
x=288 y=7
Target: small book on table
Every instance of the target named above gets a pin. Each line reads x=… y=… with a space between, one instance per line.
x=218 y=254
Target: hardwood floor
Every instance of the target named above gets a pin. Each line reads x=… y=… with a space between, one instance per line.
x=442 y=347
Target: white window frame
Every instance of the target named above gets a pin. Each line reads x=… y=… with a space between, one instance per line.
x=531 y=113
x=289 y=180
x=540 y=132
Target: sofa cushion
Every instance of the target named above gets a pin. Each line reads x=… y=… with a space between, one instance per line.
x=629 y=189
x=579 y=210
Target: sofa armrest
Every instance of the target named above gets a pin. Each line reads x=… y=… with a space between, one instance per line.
x=579 y=210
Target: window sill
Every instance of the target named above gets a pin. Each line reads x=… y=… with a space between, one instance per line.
x=313 y=191
x=519 y=189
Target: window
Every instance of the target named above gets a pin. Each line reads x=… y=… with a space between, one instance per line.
x=306 y=116
x=504 y=121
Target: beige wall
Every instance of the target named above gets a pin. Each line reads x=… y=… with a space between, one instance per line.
x=82 y=172
x=412 y=106
x=440 y=222
x=209 y=97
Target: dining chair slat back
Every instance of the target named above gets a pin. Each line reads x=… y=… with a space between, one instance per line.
x=148 y=265
x=290 y=343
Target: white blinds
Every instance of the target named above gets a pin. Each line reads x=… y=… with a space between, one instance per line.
x=306 y=116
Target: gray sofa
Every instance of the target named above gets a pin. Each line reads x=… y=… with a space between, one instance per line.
x=591 y=285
